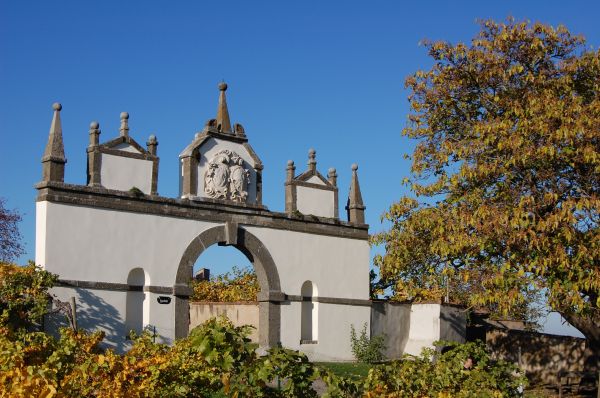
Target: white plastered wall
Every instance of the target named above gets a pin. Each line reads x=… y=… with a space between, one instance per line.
x=333 y=342
x=96 y=310
x=123 y=173
x=424 y=327
x=318 y=202
x=213 y=145
x=102 y=245
x=338 y=267
x=94 y=244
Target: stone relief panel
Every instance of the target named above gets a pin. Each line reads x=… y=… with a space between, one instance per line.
x=226 y=178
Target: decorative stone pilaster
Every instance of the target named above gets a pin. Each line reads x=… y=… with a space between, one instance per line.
x=189 y=178
x=94 y=157
x=332 y=178
x=53 y=161
x=312 y=160
x=290 y=188
x=355 y=206
x=258 y=169
x=152 y=145
x=290 y=170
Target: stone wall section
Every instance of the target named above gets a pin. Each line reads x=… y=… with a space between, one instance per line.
x=239 y=313
x=542 y=356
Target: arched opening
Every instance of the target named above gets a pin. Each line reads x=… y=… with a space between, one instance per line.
x=268 y=279
x=309 y=322
x=137 y=309
x=225 y=284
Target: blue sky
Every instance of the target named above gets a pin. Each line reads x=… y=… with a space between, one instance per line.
x=322 y=74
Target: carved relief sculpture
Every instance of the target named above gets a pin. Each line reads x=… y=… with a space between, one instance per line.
x=238 y=180
x=226 y=178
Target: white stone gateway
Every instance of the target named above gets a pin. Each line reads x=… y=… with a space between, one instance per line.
x=127 y=253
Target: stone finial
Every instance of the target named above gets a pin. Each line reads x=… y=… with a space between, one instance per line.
x=239 y=130
x=290 y=170
x=94 y=134
x=151 y=144
x=53 y=161
x=223 y=123
x=355 y=206
x=332 y=176
x=124 y=130
x=94 y=156
x=312 y=159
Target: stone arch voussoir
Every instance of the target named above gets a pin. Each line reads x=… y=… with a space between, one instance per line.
x=264 y=266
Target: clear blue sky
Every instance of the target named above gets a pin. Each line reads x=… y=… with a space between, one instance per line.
x=322 y=74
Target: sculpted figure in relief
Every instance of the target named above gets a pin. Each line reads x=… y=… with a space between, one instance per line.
x=216 y=178
x=226 y=178
x=238 y=180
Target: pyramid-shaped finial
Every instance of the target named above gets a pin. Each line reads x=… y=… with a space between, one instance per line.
x=53 y=161
x=355 y=206
x=223 y=123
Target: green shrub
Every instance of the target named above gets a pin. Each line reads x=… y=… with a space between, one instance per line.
x=446 y=375
x=24 y=297
x=365 y=349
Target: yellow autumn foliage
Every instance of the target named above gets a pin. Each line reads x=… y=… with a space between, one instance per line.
x=505 y=176
x=241 y=284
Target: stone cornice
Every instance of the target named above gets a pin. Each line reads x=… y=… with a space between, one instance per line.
x=202 y=210
x=184 y=290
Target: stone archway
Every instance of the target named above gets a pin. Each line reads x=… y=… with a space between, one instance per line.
x=268 y=278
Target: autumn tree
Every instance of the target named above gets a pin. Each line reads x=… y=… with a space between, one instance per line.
x=505 y=175
x=10 y=237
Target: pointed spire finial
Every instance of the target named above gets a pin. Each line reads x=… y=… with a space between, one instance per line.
x=53 y=161
x=355 y=206
x=124 y=130
x=223 y=123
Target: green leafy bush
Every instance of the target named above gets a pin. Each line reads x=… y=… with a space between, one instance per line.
x=365 y=349
x=24 y=297
x=464 y=371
